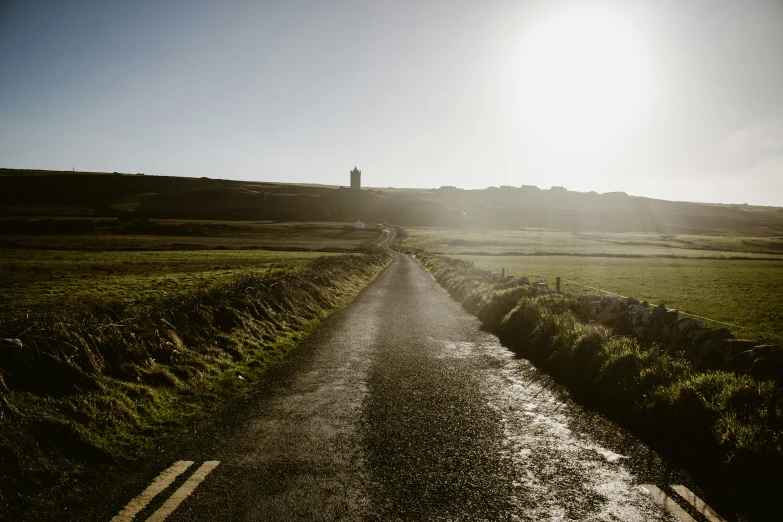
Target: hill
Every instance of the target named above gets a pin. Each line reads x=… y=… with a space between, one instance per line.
x=128 y=196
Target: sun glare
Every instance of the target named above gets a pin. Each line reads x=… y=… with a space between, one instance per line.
x=582 y=84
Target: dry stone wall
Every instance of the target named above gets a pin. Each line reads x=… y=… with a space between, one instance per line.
x=707 y=348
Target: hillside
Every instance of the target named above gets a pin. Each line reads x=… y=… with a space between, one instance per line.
x=85 y=194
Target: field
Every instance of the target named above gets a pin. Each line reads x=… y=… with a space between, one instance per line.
x=179 y=234
x=63 y=279
x=691 y=273
x=57 y=264
x=542 y=242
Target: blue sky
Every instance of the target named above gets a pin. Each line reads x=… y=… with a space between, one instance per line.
x=416 y=94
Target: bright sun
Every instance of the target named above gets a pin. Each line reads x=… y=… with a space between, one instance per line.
x=582 y=85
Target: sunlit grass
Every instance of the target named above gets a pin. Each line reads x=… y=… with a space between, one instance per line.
x=35 y=279
x=533 y=242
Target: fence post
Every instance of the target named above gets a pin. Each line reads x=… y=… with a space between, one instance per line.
x=503 y=272
x=557 y=283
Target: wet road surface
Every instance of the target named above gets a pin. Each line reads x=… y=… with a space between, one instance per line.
x=399 y=407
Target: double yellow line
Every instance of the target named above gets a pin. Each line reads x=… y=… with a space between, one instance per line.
x=158 y=485
x=690 y=497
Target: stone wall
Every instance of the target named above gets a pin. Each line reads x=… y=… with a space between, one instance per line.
x=707 y=348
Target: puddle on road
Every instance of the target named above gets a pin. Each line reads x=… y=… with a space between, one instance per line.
x=457 y=350
x=563 y=469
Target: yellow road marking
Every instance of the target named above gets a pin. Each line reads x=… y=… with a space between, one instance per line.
x=668 y=503
x=183 y=492
x=162 y=481
x=698 y=503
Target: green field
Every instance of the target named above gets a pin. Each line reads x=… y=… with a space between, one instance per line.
x=53 y=264
x=538 y=242
x=179 y=234
x=54 y=280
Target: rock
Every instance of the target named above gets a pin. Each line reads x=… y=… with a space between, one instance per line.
x=663 y=315
x=742 y=361
x=720 y=334
x=769 y=365
x=642 y=332
x=513 y=283
x=646 y=316
x=541 y=287
x=769 y=350
x=771 y=355
x=712 y=355
x=699 y=335
x=10 y=349
x=687 y=324
x=735 y=346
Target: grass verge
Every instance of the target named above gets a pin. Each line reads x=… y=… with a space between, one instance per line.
x=81 y=395
x=727 y=428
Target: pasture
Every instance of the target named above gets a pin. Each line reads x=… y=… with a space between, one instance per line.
x=180 y=234
x=698 y=274
x=63 y=279
x=58 y=264
x=542 y=242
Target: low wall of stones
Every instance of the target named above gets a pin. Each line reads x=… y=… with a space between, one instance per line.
x=707 y=348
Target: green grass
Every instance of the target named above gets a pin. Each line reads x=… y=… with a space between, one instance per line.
x=96 y=234
x=59 y=280
x=537 y=242
x=743 y=293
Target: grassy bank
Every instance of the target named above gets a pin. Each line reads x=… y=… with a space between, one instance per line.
x=81 y=394
x=726 y=427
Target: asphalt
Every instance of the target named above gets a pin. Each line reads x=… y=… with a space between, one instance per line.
x=399 y=407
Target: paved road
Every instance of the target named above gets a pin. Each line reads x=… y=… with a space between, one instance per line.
x=400 y=407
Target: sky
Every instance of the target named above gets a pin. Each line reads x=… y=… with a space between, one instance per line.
x=665 y=99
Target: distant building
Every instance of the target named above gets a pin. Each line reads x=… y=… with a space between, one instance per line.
x=559 y=189
x=356 y=179
x=358 y=224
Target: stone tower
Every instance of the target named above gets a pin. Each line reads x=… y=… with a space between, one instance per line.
x=356 y=179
